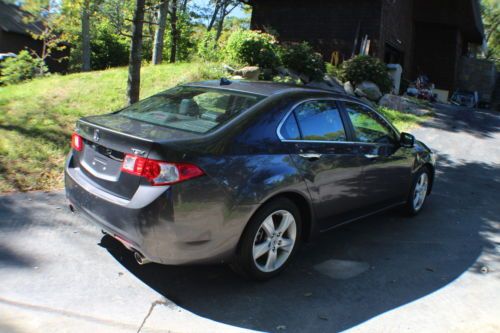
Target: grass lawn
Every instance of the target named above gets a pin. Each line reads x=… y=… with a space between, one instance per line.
x=37 y=117
x=404 y=122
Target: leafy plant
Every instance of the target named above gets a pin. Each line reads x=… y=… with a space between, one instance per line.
x=301 y=58
x=208 y=47
x=366 y=68
x=250 y=47
x=21 y=68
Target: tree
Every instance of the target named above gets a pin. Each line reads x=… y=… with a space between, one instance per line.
x=227 y=6
x=134 y=68
x=491 y=17
x=174 y=33
x=85 y=17
x=162 y=12
x=46 y=17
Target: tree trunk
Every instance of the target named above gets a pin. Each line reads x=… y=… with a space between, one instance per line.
x=214 y=16
x=220 y=24
x=86 y=36
x=174 y=32
x=160 y=33
x=134 y=67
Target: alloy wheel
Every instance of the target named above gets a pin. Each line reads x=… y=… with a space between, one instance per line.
x=420 y=191
x=274 y=241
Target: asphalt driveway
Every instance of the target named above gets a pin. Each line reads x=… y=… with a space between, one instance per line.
x=437 y=272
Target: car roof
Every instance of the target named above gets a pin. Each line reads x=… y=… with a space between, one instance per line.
x=262 y=88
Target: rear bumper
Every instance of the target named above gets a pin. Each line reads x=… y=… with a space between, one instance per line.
x=191 y=222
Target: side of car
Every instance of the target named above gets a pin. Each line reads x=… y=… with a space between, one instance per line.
x=353 y=163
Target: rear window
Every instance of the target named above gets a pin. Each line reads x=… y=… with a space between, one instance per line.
x=191 y=109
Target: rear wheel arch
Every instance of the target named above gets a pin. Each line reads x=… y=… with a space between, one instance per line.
x=303 y=206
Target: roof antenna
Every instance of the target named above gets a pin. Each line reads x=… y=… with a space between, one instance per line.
x=224 y=82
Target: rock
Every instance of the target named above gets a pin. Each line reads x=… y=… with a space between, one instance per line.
x=228 y=69
x=335 y=83
x=249 y=73
x=392 y=102
x=293 y=75
x=367 y=101
x=360 y=93
x=370 y=89
x=283 y=71
x=236 y=77
x=403 y=104
x=349 y=88
x=320 y=85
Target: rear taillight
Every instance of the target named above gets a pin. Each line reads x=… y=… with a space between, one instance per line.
x=160 y=172
x=76 y=142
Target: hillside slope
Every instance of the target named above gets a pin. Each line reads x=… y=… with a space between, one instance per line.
x=37 y=117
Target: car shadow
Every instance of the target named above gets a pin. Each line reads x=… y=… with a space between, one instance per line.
x=405 y=259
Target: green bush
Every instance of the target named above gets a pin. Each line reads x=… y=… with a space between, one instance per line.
x=301 y=58
x=366 y=68
x=207 y=47
x=255 y=48
x=21 y=68
x=108 y=50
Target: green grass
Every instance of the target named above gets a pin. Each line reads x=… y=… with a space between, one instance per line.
x=37 y=117
x=403 y=121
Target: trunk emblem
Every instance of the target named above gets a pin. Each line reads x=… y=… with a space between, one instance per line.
x=97 y=136
x=138 y=151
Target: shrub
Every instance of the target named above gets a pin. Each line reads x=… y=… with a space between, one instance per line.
x=255 y=48
x=366 y=68
x=208 y=47
x=21 y=68
x=301 y=58
x=108 y=50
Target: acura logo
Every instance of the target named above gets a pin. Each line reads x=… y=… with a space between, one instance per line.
x=97 y=136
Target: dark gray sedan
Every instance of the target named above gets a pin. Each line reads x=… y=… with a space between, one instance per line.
x=240 y=172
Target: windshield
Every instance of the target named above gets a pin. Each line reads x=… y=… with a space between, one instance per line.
x=191 y=109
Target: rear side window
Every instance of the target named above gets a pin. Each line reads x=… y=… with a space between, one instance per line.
x=191 y=109
x=290 y=129
x=320 y=121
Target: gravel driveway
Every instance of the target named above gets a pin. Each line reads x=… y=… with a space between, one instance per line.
x=437 y=272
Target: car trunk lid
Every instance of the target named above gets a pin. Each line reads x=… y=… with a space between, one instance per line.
x=108 y=139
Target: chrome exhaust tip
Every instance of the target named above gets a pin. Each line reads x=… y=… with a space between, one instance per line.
x=141 y=260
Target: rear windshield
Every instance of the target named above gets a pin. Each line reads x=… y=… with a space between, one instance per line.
x=191 y=109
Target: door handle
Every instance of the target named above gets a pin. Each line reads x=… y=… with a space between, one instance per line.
x=311 y=157
x=371 y=157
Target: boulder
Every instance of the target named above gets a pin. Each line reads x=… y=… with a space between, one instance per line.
x=228 y=69
x=392 y=102
x=249 y=73
x=349 y=88
x=370 y=89
x=367 y=101
x=334 y=83
x=403 y=104
x=321 y=85
x=360 y=93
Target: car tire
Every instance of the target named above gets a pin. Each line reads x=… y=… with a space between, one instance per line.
x=269 y=241
x=418 y=193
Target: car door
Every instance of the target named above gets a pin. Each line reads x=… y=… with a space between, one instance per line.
x=386 y=165
x=320 y=148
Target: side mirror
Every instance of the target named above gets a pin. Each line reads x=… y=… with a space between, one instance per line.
x=407 y=140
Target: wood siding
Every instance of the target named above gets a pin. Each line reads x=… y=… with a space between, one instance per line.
x=328 y=25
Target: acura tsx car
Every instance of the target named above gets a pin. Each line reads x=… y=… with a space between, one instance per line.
x=240 y=172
